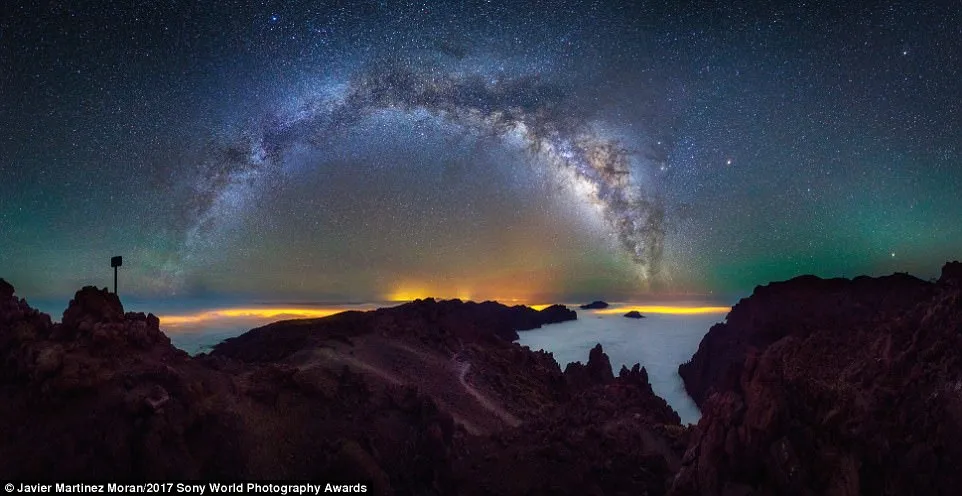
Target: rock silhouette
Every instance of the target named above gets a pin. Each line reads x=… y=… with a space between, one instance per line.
x=595 y=305
x=810 y=386
x=836 y=386
x=430 y=397
x=634 y=314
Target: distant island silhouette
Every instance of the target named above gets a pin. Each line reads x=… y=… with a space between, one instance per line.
x=595 y=305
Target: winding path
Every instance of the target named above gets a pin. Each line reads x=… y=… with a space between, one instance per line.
x=441 y=375
x=463 y=367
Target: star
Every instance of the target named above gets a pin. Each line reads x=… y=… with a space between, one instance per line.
x=379 y=142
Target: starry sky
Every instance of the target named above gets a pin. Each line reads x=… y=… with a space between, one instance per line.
x=548 y=150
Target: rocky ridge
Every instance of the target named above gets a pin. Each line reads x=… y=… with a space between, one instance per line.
x=426 y=398
x=810 y=386
x=834 y=386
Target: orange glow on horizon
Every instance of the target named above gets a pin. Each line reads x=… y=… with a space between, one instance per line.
x=509 y=287
x=409 y=294
x=665 y=309
x=247 y=313
x=256 y=316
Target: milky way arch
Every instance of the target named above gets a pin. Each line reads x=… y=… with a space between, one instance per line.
x=522 y=107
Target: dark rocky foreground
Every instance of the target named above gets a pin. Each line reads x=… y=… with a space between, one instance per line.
x=834 y=386
x=810 y=387
x=425 y=398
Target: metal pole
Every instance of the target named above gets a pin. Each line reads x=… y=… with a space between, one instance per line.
x=116 y=262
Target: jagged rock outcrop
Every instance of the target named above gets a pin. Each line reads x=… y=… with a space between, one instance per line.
x=91 y=305
x=797 y=307
x=100 y=395
x=951 y=274
x=6 y=290
x=424 y=398
x=634 y=314
x=596 y=371
x=811 y=386
x=614 y=436
x=835 y=386
x=17 y=317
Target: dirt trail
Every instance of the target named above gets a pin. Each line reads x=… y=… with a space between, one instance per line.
x=443 y=377
x=463 y=367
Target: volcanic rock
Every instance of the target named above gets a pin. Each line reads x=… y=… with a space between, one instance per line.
x=448 y=324
x=835 y=386
x=555 y=314
x=595 y=305
x=431 y=397
x=634 y=314
x=596 y=372
x=795 y=307
x=90 y=306
x=952 y=274
x=6 y=290
x=613 y=437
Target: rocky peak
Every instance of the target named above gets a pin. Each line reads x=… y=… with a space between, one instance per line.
x=90 y=306
x=97 y=314
x=16 y=310
x=951 y=274
x=637 y=374
x=6 y=290
x=596 y=372
x=830 y=387
x=599 y=367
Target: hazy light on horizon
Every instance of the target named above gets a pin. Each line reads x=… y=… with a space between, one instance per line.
x=665 y=309
x=519 y=293
x=249 y=317
x=221 y=316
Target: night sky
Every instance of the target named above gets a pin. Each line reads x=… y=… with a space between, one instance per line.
x=361 y=151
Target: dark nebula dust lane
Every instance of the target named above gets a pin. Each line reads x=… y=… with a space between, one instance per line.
x=548 y=151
